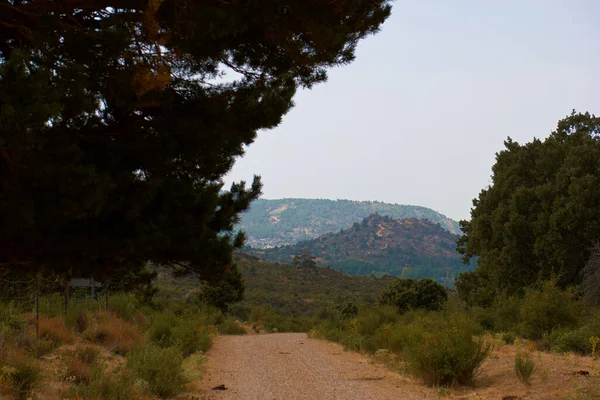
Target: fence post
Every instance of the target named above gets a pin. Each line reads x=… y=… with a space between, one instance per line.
x=106 y=297
x=37 y=306
x=66 y=295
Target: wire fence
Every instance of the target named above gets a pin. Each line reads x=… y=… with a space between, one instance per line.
x=49 y=295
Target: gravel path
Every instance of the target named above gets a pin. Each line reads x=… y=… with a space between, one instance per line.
x=290 y=366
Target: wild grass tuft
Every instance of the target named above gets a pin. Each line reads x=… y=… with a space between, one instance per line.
x=524 y=367
x=161 y=369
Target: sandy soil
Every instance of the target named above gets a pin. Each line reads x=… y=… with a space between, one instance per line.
x=291 y=366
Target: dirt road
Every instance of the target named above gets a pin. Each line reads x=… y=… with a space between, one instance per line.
x=290 y=366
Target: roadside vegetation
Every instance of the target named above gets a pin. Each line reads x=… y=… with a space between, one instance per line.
x=131 y=350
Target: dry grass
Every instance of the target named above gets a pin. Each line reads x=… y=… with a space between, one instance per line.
x=19 y=374
x=117 y=335
x=55 y=330
x=78 y=372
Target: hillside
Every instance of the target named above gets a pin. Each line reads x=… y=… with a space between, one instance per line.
x=271 y=223
x=285 y=288
x=410 y=248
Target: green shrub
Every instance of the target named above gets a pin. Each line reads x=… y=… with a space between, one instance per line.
x=508 y=337
x=349 y=311
x=524 y=367
x=160 y=368
x=442 y=350
x=575 y=340
x=161 y=328
x=124 y=305
x=506 y=313
x=78 y=319
x=183 y=332
x=52 y=305
x=370 y=319
x=406 y=294
x=548 y=308
x=189 y=337
x=105 y=386
x=486 y=317
x=18 y=372
x=230 y=326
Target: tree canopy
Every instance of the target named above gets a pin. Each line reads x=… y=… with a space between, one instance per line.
x=539 y=217
x=409 y=294
x=117 y=121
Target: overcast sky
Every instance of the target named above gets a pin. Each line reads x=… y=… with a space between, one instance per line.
x=418 y=117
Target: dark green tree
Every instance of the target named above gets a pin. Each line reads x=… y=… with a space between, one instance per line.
x=224 y=292
x=541 y=214
x=590 y=284
x=305 y=260
x=117 y=126
x=408 y=294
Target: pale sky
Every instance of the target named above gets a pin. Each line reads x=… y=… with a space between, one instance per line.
x=429 y=100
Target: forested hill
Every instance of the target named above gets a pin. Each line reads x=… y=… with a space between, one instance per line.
x=271 y=223
x=411 y=248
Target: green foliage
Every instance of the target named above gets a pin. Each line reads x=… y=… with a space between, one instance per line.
x=350 y=310
x=77 y=318
x=20 y=373
x=548 y=308
x=224 y=292
x=160 y=368
x=442 y=350
x=126 y=146
x=524 y=367
x=539 y=218
x=106 y=385
x=185 y=333
x=406 y=294
x=305 y=219
x=125 y=305
x=509 y=337
x=590 y=284
x=579 y=340
x=230 y=326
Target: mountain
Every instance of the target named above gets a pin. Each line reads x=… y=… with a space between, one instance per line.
x=379 y=245
x=271 y=223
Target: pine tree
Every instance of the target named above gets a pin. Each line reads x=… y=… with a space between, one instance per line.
x=117 y=125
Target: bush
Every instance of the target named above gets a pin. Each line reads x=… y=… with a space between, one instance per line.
x=183 y=332
x=577 y=340
x=160 y=368
x=78 y=319
x=19 y=375
x=161 y=329
x=406 y=294
x=548 y=308
x=123 y=305
x=189 y=337
x=231 y=327
x=87 y=354
x=117 y=335
x=442 y=350
x=78 y=372
x=524 y=367
x=371 y=318
x=55 y=330
x=508 y=337
x=507 y=313
x=105 y=386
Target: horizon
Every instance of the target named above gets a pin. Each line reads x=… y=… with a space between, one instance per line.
x=418 y=117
